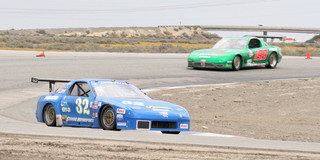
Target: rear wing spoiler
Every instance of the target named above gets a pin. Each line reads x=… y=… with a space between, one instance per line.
x=281 y=38
x=51 y=81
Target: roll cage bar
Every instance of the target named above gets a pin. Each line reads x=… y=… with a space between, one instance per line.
x=85 y=93
x=51 y=81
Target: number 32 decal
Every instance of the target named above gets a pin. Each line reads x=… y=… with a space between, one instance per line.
x=82 y=106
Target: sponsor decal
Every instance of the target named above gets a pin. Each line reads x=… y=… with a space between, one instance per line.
x=249 y=61
x=99 y=104
x=184 y=126
x=273 y=49
x=229 y=61
x=64 y=104
x=95 y=103
x=161 y=110
x=180 y=115
x=66 y=109
x=157 y=107
x=221 y=52
x=136 y=107
x=94 y=114
x=79 y=119
x=119 y=116
x=94 y=107
x=121 y=111
x=51 y=97
x=164 y=114
x=138 y=103
x=256 y=64
x=204 y=56
x=114 y=82
x=61 y=90
x=126 y=102
x=179 y=109
x=121 y=124
x=250 y=53
x=133 y=103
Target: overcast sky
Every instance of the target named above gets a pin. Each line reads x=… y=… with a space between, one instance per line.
x=32 y=14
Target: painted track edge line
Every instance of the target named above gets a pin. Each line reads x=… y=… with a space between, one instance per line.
x=214 y=84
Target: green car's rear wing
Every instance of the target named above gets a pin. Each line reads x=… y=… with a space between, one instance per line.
x=51 y=81
x=281 y=38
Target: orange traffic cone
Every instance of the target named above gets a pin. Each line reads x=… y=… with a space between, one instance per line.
x=41 y=55
x=308 y=55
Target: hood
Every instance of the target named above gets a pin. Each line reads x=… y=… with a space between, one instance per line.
x=148 y=108
x=207 y=53
x=144 y=105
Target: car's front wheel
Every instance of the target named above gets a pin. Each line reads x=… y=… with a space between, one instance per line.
x=49 y=115
x=170 y=132
x=272 y=61
x=108 y=119
x=236 y=63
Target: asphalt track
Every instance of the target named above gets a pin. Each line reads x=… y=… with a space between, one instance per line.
x=18 y=96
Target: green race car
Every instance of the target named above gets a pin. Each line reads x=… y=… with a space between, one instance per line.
x=236 y=53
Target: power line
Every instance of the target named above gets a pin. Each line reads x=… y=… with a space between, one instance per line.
x=123 y=10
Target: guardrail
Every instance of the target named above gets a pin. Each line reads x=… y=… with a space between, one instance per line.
x=252 y=28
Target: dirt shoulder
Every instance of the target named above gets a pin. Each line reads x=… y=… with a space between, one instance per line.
x=42 y=147
x=278 y=110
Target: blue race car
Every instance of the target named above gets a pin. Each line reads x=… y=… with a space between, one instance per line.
x=110 y=105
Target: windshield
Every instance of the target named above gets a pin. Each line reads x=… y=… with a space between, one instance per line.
x=231 y=43
x=118 y=90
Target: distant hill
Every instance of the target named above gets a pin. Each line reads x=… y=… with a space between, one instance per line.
x=116 y=39
x=315 y=39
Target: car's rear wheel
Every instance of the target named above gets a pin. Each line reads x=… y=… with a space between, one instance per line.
x=49 y=115
x=272 y=61
x=108 y=119
x=236 y=63
x=170 y=132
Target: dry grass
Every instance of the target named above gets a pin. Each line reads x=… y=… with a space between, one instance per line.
x=299 y=49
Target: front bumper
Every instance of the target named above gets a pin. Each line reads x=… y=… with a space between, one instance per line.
x=155 y=124
x=210 y=65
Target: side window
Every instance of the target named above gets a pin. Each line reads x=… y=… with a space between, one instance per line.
x=254 y=43
x=80 y=89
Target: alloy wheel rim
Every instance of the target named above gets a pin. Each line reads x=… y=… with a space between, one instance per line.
x=237 y=62
x=50 y=115
x=273 y=60
x=108 y=118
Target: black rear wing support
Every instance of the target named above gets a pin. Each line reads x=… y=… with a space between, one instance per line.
x=51 y=81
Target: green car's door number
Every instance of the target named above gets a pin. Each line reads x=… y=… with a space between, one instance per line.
x=82 y=106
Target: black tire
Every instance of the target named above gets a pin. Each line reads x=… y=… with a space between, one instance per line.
x=108 y=119
x=236 y=63
x=170 y=132
x=49 y=115
x=272 y=61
